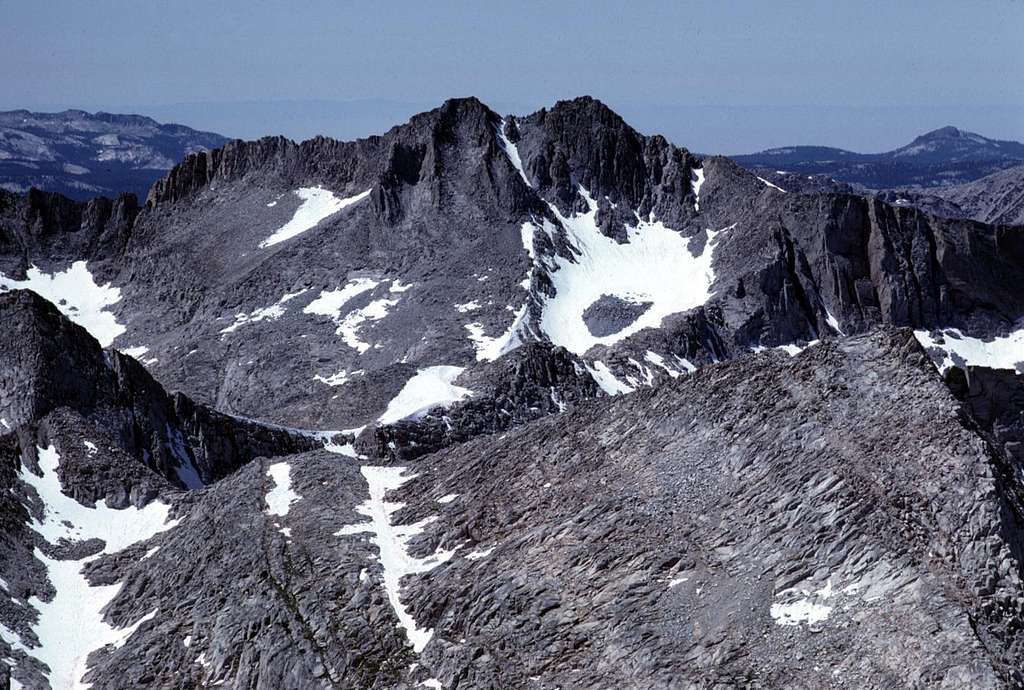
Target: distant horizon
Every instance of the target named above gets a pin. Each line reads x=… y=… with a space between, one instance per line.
x=720 y=130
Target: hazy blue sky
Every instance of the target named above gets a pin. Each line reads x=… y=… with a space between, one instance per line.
x=723 y=76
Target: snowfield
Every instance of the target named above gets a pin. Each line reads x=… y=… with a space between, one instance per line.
x=78 y=296
x=317 y=204
x=429 y=388
x=655 y=265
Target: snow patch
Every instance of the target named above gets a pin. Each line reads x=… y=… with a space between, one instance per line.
x=806 y=609
x=606 y=380
x=481 y=553
x=1001 y=352
x=271 y=313
x=793 y=350
x=489 y=349
x=392 y=542
x=346 y=449
x=72 y=625
x=330 y=302
x=317 y=204
x=74 y=292
x=281 y=497
x=469 y=306
x=429 y=388
x=339 y=379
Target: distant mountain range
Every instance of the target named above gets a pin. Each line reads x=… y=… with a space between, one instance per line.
x=940 y=157
x=83 y=155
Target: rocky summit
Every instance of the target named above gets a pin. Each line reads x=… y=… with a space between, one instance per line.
x=508 y=402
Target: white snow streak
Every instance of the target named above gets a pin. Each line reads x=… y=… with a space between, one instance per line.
x=392 y=542
x=429 y=388
x=697 y=181
x=74 y=292
x=317 y=204
x=833 y=322
x=512 y=151
x=655 y=266
x=773 y=186
x=71 y=625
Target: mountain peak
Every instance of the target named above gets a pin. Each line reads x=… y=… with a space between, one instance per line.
x=589 y=107
x=947 y=132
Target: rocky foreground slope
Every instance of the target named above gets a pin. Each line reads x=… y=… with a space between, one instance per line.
x=494 y=402
x=829 y=520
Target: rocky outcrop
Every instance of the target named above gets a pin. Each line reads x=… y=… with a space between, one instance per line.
x=583 y=142
x=766 y=521
x=49 y=365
